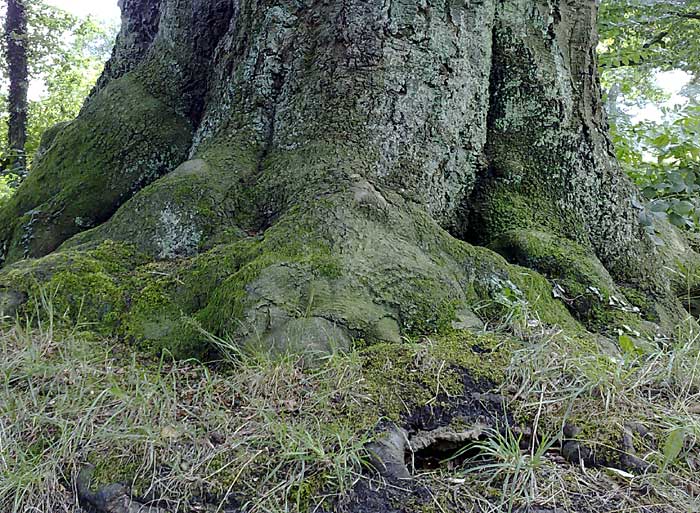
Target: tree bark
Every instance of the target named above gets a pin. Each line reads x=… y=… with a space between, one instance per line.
x=320 y=170
x=16 y=56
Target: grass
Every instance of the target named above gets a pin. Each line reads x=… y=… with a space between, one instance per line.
x=604 y=388
x=500 y=459
x=287 y=433
x=272 y=429
x=656 y=393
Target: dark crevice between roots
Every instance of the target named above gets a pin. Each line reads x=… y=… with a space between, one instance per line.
x=477 y=403
x=442 y=454
x=450 y=435
x=434 y=433
x=468 y=227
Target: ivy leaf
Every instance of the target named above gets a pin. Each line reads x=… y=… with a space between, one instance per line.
x=659 y=206
x=649 y=192
x=678 y=187
x=677 y=220
x=683 y=208
x=645 y=219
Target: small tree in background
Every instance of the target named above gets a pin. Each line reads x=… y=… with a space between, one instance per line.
x=18 y=78
x=65 y=54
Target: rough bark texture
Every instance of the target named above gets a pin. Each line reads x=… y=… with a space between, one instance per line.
x=307 y=172
x=16 y=58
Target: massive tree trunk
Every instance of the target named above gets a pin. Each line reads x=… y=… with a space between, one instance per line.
x=16 y=58
x=309 y=172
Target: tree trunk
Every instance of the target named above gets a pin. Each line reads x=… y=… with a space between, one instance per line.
x=16 y=56
x=307 y=172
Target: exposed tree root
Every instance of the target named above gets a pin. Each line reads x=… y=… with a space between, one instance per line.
x=111 y=498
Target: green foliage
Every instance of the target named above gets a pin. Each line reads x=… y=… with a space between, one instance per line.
x=663 y=158
x=66 y=54
x=655 y=34
x=673 y=446
x=501 y=458
x=628 y=346
x=7 y=187
x=639 y=39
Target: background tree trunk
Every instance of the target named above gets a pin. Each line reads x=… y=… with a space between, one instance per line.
x=311 y=171
x=16 y=56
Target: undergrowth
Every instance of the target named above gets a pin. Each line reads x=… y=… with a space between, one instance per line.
x=271 y=434
x=287 y=433
x=618 y=400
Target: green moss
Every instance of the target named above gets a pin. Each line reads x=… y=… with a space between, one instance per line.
x=223 y=236
x=290 y=243
x=48 y=137
x=394 y=382
x=576 y=275
x=555 y=257
x=601 y=433
x=114 y=290
x=402 y=377
x=504 y=206
x=497 y=289
x=78 y=286
x=540 y=302
x=484 y=356
x=349 y=277
x=239 y=163
x=307 y=490
x=93 y=165
x=114 y=470
x=177 y=216
x=87 y=292
x=153 y=314
x=425 y=306
x=225 y=309
x=160 y=305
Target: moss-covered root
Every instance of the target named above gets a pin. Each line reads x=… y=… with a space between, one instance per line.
x=124 y=139
x=353 y=265
x=581 y=281
x=363 y=266
x=91 y=285
x=180 y=215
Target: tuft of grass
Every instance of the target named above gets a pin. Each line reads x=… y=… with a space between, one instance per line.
x=500 y=459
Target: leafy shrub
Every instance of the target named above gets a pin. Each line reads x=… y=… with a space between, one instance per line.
x=663 y=158
x=638 y=40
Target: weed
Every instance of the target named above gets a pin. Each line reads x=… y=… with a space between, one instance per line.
x=500 y=459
